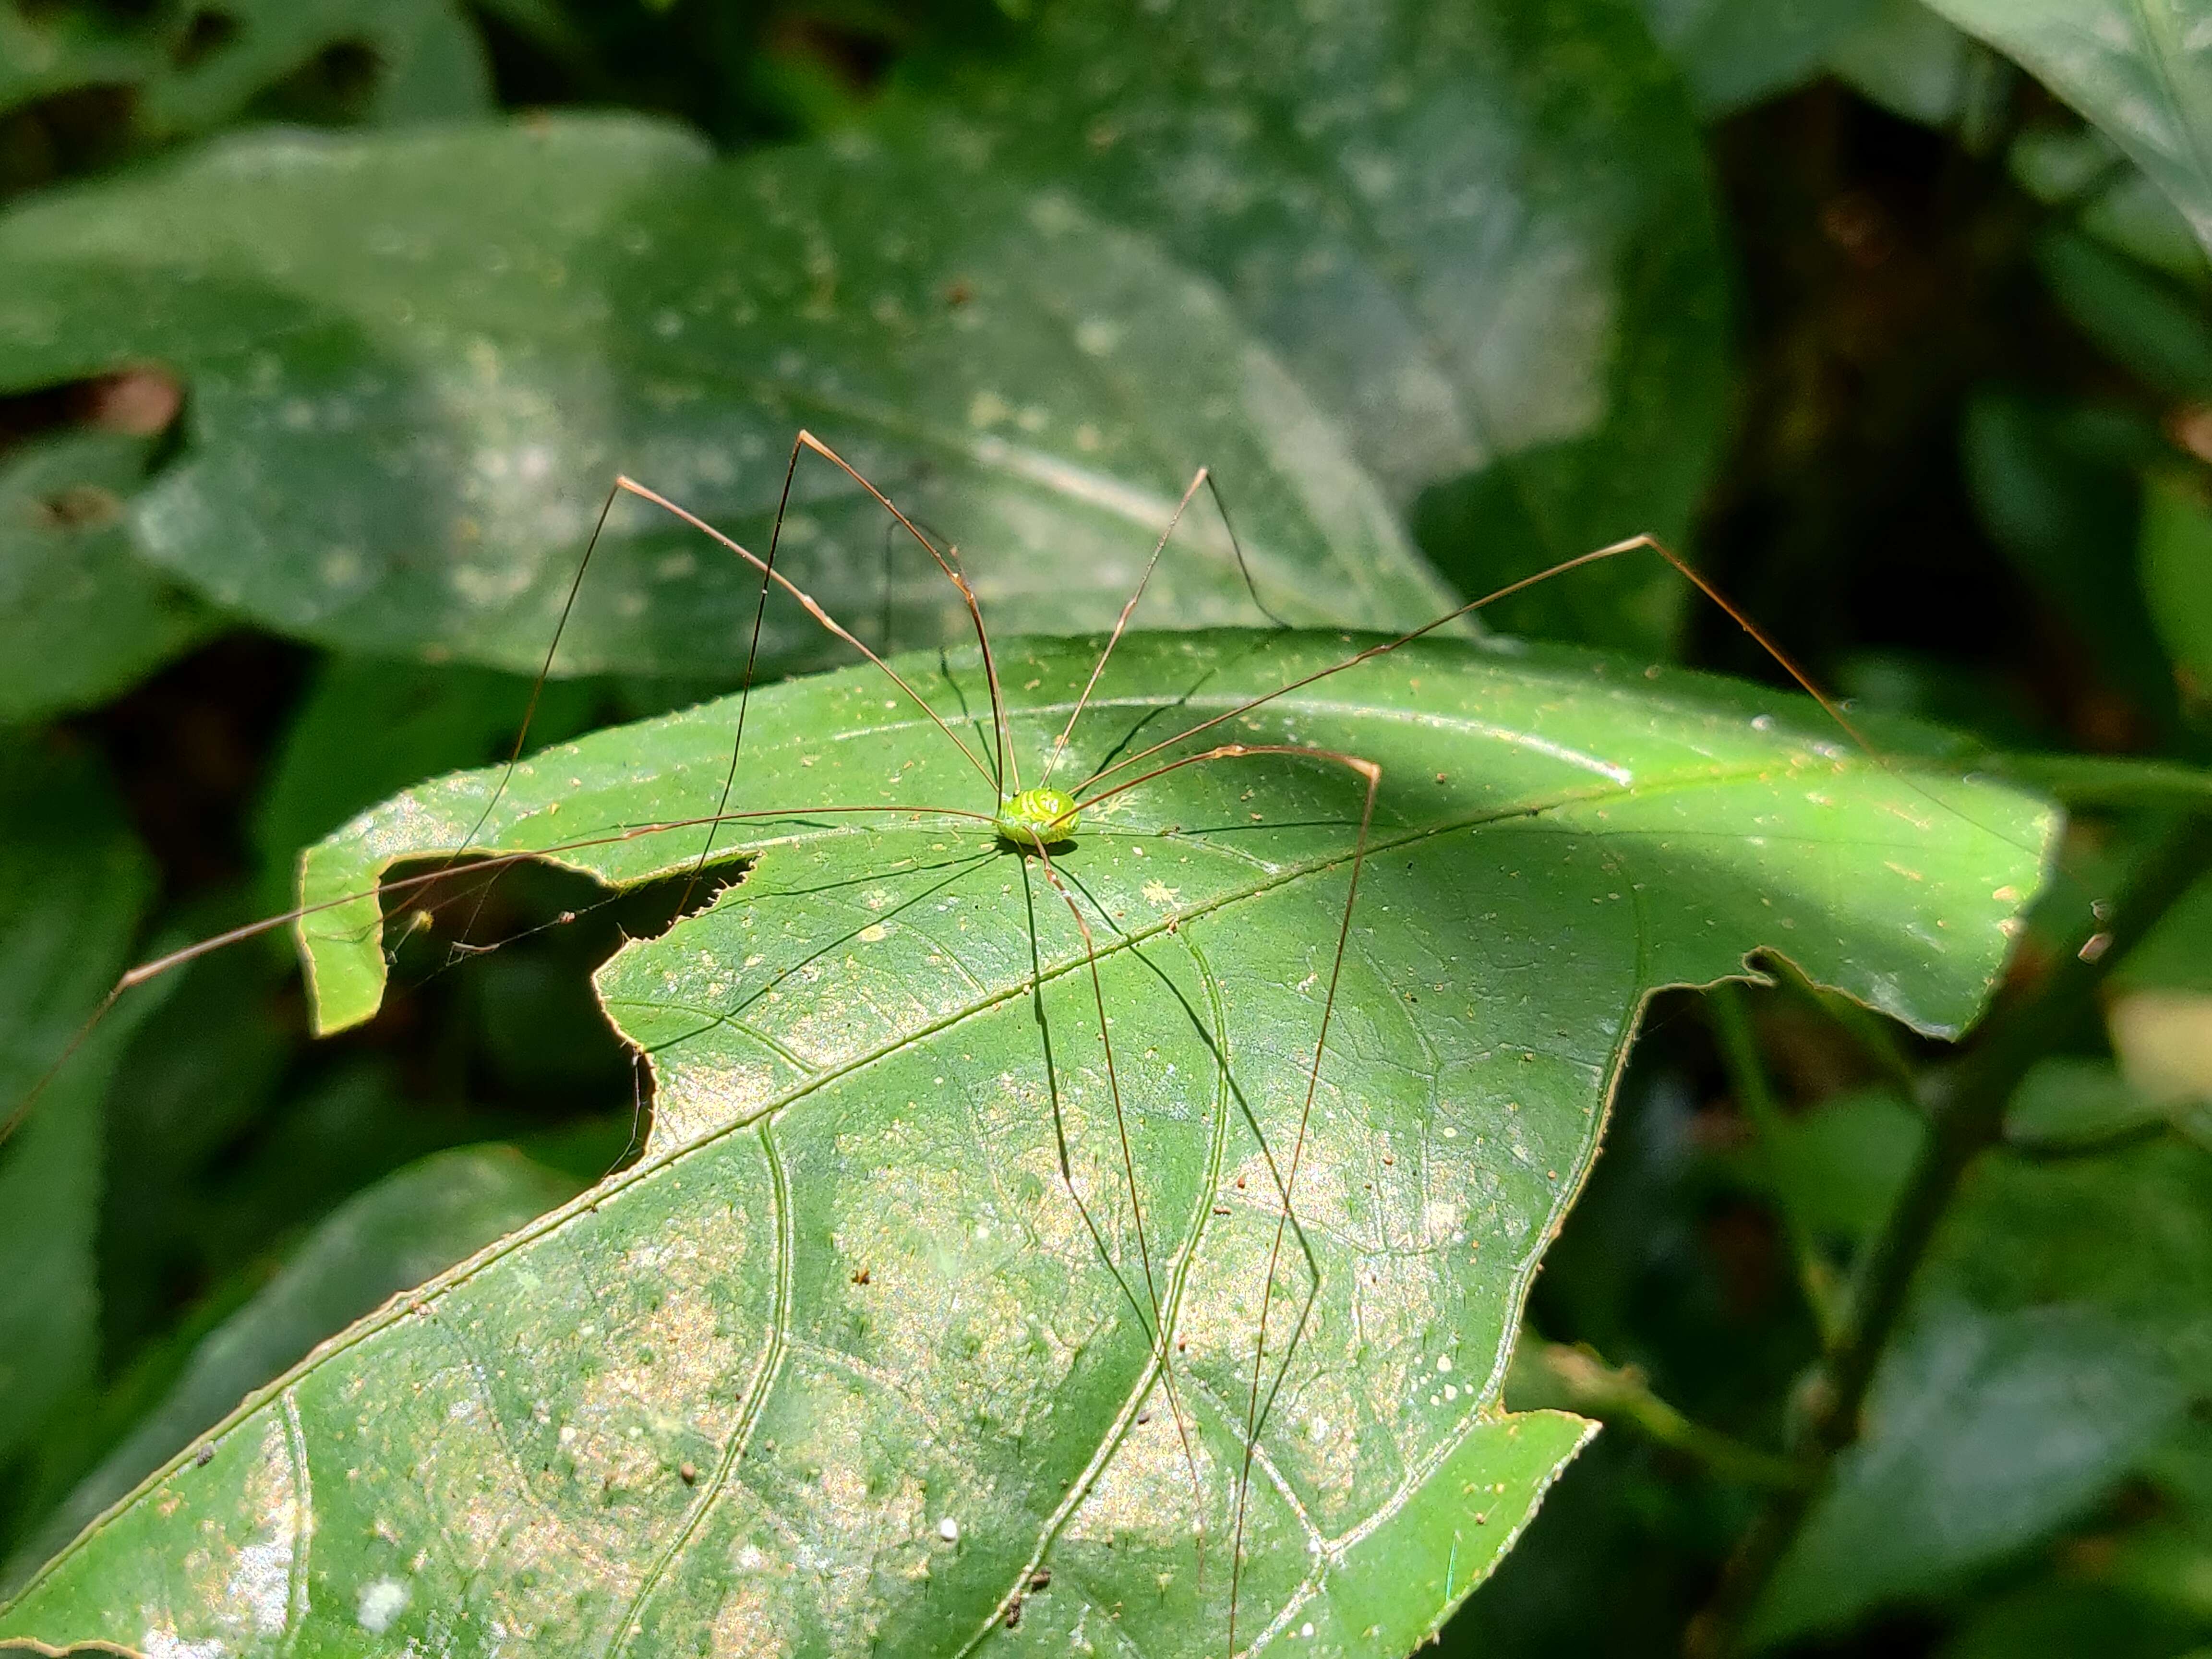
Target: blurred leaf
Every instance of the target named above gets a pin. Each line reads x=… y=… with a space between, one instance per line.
x=1982 y=1433
x=72 y=882
x=2109 y=197
x=2167 y=1565
x=1482 y=236
x=2069 y=1103
x=1910 y=61
x=59 y=49
x=2141 y=70
x=433 y=367
x=416 y=362
x=2058 y=1332
x=2156 y=327
x=1735 y=52
x=202 y=1068
x=81 y=618
x=2056 y=1619
x=1840 y=1165
x=2176 y=562
x=2128 y=1230
x=799 y=1264
x=1927 y=686
x=2093 y=781
x=405 y=1230
x=195 y=67
x=2177 y=954
x=2058 y=488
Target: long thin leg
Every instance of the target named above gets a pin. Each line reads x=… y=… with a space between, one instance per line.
x=1121 y=622
x=1236 y=546
x=1148 y=1324
x=544 y=672
x=1160 y=1332
x=1009 y=775
x=752 y=661
x=1203 y=476
x=813 y=609
x=1632 y=544
x=803 y=444
x=1261 y=1396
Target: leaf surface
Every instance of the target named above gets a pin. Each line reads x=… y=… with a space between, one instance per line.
x=1342 y=265
x=385 y=1239
x=847 y=1289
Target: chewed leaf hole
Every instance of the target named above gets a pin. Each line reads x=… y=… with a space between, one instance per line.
x=477 y=907
x=507 y=952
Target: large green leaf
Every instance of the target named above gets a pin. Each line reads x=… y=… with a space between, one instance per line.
x=839 y=1365
x=2141 y=70
x=416 y=363
x=1029 y=306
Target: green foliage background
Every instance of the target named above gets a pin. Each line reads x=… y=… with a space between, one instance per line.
x=323 y=327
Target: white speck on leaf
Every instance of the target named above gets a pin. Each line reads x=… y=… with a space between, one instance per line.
x=381 y=1603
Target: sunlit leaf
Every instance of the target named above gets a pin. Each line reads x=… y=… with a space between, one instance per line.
x=416 y=363
x=846 y=1313
x=1481 y=235
x=383 y=1239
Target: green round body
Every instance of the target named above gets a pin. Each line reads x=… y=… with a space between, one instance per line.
x=1038 y=819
